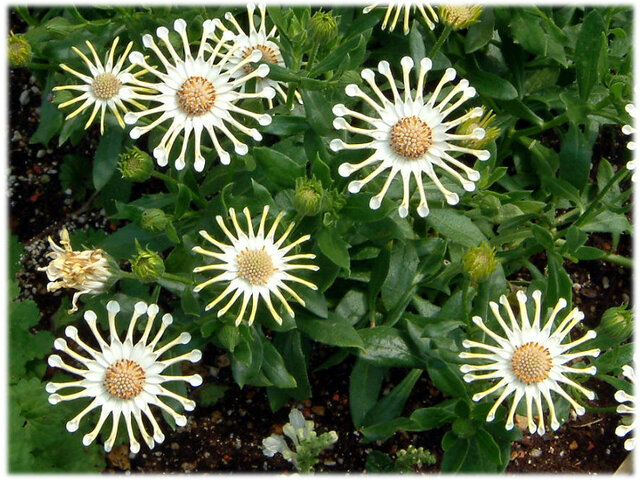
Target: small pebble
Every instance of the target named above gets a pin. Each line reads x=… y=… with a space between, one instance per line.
x=605 y=282
x=573 y=445
x=536 y=452
x=24 y=97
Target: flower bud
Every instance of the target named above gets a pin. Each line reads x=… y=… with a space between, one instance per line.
x=308 y=196
x=154 y=220
x=486 y=122
x=480 y=262
x=18 y=51
x=322 y=28
x=147 y=265
x=460 y=16
x=135 y=165
x=616 y=324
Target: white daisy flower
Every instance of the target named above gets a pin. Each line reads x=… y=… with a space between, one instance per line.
x=409 y=135
x=630 y=409
x=254 y=265
x=631 y=130
x=196 y=94
x=123 y=378
x=256 y=39
x=88 y=271
x=531 y=362
x=407 y=6
x=107 y=86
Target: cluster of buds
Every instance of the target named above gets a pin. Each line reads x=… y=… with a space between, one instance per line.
x=307 y=445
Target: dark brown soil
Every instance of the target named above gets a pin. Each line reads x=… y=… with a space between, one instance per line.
x=227 y=436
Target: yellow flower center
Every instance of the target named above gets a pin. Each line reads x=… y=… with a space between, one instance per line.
x=411 y=137
x=105 y=86
x=196 y=96
x=531 y=363
x=124 y=379
x=255 y=266
x=268 y=55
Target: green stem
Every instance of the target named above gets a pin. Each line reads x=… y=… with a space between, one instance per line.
x=619 y=176
x=559 y=120
x=169 y=179
x=176 y=278
x=443 y=37
x=312 y=56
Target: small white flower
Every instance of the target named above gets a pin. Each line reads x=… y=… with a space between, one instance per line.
x=123 y=378
x=631 y=130
x=198 y=94
x=88 y=271
x=306 y=442
x=407 y=6
x=630 y=409
x=107 y=86
x=256 y=39
x=254 y=265
x=410 y=135
x=531 y=362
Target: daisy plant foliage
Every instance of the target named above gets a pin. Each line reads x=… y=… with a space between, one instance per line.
x=410 y=193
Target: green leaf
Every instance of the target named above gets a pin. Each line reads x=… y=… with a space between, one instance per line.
x=588 y=50
x=402 y=271
x=51 y=119
x=333 y=331
x=210 y=394
x=290 y=346
x=434 y=417
x=274 y=367
x=446 y=378
x=480 y=33
x=385 y=346
x=575 y=157
x=455 y=226
x=318 y=111
x=364 y=386
x=278 y=167
x=382 y=431
x=334 y=247
x=105 y=160
x=491 y=85
x=283 y=125
x=379 y=273
x=390 y=406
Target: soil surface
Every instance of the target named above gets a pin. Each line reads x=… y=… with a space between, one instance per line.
x=227 y=436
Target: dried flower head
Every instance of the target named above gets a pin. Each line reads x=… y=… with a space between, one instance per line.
x=88 y=271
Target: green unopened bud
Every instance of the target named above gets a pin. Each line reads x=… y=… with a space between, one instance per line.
x=154 y=220
x=486 y=122
x=18 y=51
x=135 y=165
x=322 y=28
x=460 y=16
x=616 y=324
x=147 y=265
x=480 y=262
x=308 y=196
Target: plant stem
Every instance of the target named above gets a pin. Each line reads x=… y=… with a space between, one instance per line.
x=443 y=36
x=619 y=176
x=176 y=278
x=525 y=132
